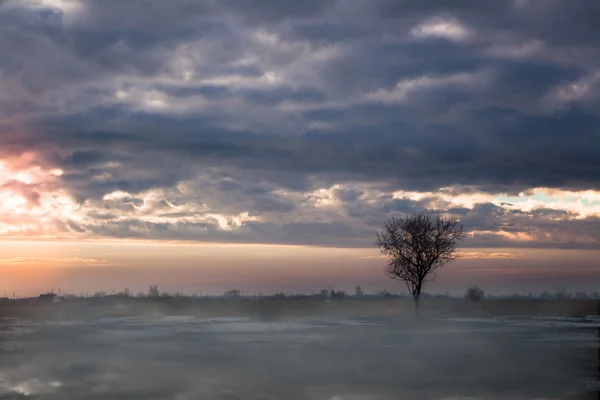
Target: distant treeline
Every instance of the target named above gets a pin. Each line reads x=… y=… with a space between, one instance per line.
x=473 y=293
x=327 y=302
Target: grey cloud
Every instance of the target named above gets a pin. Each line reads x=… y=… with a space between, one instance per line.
x=196 y=99
x=273 y=10
x=347 y=194
x=519 y=18
x=487 y=216
x=206 y=91
x=271 y=205
x=271 y=98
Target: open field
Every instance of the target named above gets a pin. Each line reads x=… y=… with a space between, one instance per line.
x=302 y=349
x=115 y=306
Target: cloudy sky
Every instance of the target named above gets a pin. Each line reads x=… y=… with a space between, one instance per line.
x=236 y=131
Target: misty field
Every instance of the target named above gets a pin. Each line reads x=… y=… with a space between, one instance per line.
x=323 y=354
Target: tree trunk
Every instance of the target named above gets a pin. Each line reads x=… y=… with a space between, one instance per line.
x=416 y=297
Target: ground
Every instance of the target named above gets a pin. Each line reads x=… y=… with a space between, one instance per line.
x=316 y=357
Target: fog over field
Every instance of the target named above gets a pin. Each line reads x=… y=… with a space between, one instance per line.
x=242 y=147
x=300 y=357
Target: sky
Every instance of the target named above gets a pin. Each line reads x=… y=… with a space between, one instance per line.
x=203 y=145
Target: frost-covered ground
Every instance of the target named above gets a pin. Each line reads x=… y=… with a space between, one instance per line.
x=300 y=358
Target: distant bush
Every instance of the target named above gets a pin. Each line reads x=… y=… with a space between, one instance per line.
x=233 y=293
x=339 y=295
x=384 y=293
x=153 y=292
x=475 y=293
x=278 y=295
x=562 y=294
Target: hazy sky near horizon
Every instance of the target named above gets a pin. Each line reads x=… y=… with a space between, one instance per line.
x=291 y=125
x=81 y=267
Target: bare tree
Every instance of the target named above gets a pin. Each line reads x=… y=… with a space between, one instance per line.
x=475 y=293
x=153 y=292
x=358 y=291
x=417 y=246
x=233 y=293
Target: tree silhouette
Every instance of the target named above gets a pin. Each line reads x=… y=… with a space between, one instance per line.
x=358 y=291
x=475 y=293
x=233 y=293
x=153 y=292
x=417 y=246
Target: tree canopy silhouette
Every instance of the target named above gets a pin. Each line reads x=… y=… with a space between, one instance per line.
x=153 y=292
x=475 y=293
x=417 y=246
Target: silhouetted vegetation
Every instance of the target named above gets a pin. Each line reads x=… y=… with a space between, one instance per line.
x=279 y=304
x=358 y=291
x=153 y=292
x=417 y=246
x=233 y=294
x=475 y=293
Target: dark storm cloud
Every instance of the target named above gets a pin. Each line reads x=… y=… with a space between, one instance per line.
x=555 y=151
x=284 y=99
